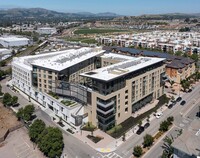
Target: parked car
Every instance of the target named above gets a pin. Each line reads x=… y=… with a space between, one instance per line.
x=183 y=102
x=178 y=99
x=170 y=106
x=158 y=115
x=146 y=125
x=140 y=130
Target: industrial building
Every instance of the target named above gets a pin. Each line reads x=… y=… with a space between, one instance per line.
x=46 y=30
x=90 y=84
x=12 y=41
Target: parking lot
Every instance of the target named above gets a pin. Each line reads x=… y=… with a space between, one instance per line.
x=18 y=145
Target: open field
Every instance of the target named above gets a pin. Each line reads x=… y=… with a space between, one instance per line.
x=97 y=31
x=7 y=120
x=81 y=39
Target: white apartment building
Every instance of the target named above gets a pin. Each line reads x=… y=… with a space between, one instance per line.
x=162 y=40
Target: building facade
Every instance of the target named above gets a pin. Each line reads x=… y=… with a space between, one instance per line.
x=105 y=88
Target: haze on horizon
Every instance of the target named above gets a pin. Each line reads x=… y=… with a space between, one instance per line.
x=125 y=7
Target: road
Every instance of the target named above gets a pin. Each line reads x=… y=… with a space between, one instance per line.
x=127 y=148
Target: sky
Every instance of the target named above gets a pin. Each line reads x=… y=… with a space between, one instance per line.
x=121 y=7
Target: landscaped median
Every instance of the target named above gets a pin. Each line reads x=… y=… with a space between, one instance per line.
x=149 y=140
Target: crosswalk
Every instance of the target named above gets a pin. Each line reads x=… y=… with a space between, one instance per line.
x=108 y=155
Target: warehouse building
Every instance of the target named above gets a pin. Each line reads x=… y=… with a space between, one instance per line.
x=12 y=41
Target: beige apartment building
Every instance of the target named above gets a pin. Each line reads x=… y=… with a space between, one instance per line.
x=123 y=87
x=69 y=69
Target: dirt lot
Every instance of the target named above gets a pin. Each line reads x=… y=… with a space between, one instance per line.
x=7 y=119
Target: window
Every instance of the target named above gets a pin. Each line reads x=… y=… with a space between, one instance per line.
x=118 y=114
x=126 y=97
x=126 y=103
x=126 y=109
x=126 y=91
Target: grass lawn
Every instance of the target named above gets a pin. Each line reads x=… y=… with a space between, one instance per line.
x=68 y=102
x=97 y=31
x=82 y=40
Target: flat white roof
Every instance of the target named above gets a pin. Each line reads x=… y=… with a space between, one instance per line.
x=121 y=68
x=61 y=60
x=116 y=56
x=13 y=38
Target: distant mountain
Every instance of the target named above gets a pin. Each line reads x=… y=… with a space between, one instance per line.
x=109 y=14
x=106 y=14
x=38 y=13
x=169 y=16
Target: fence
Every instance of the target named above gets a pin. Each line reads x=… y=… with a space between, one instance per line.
x=10 y=130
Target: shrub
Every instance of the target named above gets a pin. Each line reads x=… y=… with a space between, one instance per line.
x=148 y=140
x=170 y=119
x=137 y=151
x=164 y=126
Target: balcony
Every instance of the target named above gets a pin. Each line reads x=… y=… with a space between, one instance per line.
x=105 y=105
x=105 y=112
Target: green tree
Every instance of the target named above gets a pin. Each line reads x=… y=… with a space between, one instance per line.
x=3 y=63
x=28 y=112
x=170 y=119
x=140 y=123
x=148 y=140
x=14 y=100
x=185 y=84
x=50 y=142
x=2 y=73
x=1 y=90
x=164 y=126
x=168 y=149
x=187 y=20
x=178 y=53
x=36 y=129
x=7 y=99
x=20 y=113
x=137 y=151
x=195 y=57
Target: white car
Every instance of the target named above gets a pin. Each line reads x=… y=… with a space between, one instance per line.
x=158 y=115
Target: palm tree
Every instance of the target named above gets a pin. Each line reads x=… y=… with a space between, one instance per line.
x=168 y=149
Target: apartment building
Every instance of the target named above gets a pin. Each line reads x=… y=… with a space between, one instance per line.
x=162 y=40
x=177 y=67
x=105 y=88
x=124 y=86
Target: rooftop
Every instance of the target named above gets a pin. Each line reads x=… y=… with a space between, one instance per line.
x=13 y=38
x=131 y=64
x=60 y=60
x=189 y=141
x=182 y=61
